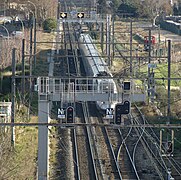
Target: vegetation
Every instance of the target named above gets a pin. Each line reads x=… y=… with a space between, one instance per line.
x=177 y=8
x=49 y=25
x=43 y=9
x=20 y=162
x=140 y=9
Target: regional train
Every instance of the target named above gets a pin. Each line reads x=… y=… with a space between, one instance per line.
x=96 y=67
x=146 y=42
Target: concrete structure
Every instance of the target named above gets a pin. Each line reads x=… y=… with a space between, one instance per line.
x=5 y=114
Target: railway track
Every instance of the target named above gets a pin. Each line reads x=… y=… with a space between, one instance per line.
x=98 y=152
x=122 y=153
x=146 y=153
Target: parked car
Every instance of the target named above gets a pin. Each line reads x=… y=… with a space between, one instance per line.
x=17 y=33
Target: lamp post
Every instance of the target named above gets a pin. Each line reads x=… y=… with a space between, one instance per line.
x=34 y=7
x=6 y=31
x=4 y=10
x=23 y=29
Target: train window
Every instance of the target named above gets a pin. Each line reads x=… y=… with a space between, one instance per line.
x=146 y=40
x=103 y=73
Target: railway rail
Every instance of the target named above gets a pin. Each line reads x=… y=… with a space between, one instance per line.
x=104 y=152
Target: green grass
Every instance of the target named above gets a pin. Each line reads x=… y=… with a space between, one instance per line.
x=23 y=159
x=26 y=151
x=161 y=71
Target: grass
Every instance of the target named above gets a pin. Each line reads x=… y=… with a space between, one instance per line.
x=26 y=152
x=24 y=156
x=161 y=71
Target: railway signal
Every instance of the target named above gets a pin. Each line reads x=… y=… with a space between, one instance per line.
x=126 y=107
x=166 y=142
x=127 y=85
x=118 y=113
x=121 y=109
x=63 y=15
x=169 y=148
x=70 y=114
x=80 y=15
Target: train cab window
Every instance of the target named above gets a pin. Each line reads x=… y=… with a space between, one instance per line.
x=103 y=73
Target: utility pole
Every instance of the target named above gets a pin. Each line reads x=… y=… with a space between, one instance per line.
x=34 y=43
x=30 y=69
x=169 y=73
x=23 y=69
x=108 y=29
x=131 y=46
x=13 y=96
x=30 y=58
x=107 y=22
x=4 y=8
x=149 y=60
x=58 y=11
x=102 y=37
x=113 y=48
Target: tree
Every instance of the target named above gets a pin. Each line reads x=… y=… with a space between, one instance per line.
x=177 y=8
x=102 y=6
x=115 y=4
x=49 y=24
x=147 y=8
x=129 y=8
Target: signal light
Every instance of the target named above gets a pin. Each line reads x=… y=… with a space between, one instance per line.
x=127 y=85
x=80 y=15
x=126 y=107
x=121 y=109
x=70 y=114
x=169 y=148
x=63 y=15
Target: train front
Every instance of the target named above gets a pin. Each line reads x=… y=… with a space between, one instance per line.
x=106 y=86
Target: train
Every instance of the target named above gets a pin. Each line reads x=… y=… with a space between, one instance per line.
x=96 y=66
x=146 y=42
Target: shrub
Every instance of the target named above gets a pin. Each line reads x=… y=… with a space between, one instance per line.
x=49 y=24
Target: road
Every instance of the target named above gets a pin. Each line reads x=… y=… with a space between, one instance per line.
x=166 y=35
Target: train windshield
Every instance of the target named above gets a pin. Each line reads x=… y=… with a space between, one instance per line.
x=103 y=73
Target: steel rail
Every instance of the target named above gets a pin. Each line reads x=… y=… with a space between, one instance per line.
x=85 y=112
x=148 y=150
x=129 y=155
x=113 y=154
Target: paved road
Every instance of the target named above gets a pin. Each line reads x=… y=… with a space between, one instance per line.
x=166 y=35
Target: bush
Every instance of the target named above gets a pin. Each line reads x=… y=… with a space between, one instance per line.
x=49 y=24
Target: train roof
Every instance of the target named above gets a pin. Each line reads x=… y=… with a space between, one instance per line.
x=96 y=62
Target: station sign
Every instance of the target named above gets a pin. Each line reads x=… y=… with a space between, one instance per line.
x=109 y=113
x=152 y=65
x=93 y=14
x=61 y=113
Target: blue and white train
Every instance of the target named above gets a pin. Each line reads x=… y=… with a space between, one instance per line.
x=96 y=67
